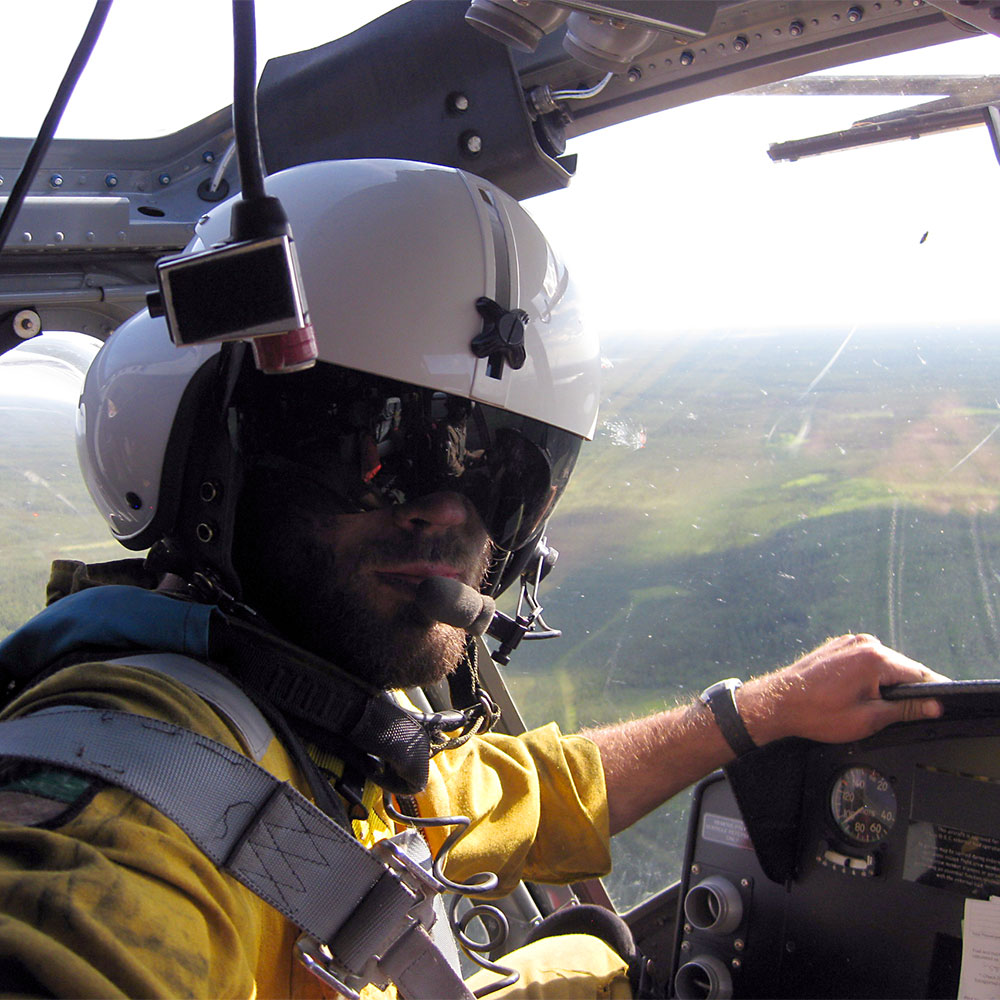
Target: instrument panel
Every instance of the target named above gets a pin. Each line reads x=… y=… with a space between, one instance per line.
x=841 y=871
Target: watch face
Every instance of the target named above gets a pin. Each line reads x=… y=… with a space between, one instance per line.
x=863 y=804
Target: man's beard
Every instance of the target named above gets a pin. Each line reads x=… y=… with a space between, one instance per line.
x=399 y=650
x=331 y=609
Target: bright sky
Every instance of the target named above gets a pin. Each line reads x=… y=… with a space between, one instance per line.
x=673 y=222
x=157 y=66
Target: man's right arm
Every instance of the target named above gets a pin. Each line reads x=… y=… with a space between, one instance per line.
x=831 y=695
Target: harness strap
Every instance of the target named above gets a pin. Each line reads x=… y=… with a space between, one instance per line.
x=369 y=915
x=226 y=698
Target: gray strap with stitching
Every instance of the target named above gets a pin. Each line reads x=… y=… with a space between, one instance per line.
x=227 y=698
x=260 y=830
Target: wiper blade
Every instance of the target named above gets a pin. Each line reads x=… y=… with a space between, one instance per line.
x=961 y=101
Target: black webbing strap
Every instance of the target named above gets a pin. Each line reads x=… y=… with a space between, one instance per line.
x=328 y=706
x=261 y=831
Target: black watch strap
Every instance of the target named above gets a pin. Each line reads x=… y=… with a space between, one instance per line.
x=720 y=697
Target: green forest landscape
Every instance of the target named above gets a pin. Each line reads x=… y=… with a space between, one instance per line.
x=725 y=518
x=744 y=499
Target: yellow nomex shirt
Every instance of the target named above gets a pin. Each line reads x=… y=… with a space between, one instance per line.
x=105 y=897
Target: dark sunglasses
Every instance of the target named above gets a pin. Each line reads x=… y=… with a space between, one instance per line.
x=374 y=442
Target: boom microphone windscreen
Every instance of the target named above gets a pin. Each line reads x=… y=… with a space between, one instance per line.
x=447 y=600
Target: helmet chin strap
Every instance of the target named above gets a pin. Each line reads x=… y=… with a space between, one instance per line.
x=339 y=712
x=334 y=709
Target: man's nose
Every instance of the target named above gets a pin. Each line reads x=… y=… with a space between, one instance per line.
x=434 y=512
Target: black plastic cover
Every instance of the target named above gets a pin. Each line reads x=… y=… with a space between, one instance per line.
x=390 y=89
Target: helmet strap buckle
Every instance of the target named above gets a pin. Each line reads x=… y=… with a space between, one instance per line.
x=527 y=622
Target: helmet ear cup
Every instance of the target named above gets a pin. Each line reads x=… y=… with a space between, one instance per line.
x=135 y=421
x=202 y=482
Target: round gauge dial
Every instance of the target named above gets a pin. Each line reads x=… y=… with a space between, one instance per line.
x=863 y=804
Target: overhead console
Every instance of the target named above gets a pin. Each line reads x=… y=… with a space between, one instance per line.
x=841 y=871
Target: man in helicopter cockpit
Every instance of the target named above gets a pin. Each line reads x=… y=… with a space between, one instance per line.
x=291 y=521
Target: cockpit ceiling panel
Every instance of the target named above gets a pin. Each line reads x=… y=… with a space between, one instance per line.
x=749 y=45
x=418 y=83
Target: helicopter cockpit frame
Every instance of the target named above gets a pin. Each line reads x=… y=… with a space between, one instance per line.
x=101 y=212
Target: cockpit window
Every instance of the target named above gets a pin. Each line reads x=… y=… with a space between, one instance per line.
x=181 y=77
x=45 y=510
x=800 y=429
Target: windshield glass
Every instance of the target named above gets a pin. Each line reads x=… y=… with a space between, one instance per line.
x=45 y=509
x=798 y=434
x=152 y=73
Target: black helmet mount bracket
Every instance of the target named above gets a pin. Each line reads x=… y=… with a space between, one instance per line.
x=502 y=337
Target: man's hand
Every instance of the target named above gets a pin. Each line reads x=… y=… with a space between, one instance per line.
x=832 y=694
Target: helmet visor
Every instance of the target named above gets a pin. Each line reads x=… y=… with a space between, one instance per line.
x=372 y=442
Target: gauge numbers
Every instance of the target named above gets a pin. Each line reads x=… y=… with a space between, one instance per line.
x=863 y=804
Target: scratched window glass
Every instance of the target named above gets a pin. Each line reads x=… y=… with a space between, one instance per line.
x=801 y=404
x=45 y=510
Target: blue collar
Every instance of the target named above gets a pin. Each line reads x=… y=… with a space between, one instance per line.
x=110 y=618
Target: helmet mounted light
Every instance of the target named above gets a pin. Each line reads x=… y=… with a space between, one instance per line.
x=248 y=287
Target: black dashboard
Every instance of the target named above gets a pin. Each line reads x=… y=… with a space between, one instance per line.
x=814 y=870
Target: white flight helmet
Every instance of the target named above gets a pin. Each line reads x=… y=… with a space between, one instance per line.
x=403 y=266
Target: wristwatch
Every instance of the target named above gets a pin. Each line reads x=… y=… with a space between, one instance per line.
x=720 y=697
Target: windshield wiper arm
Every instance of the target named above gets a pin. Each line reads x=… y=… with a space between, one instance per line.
x=906 y=126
